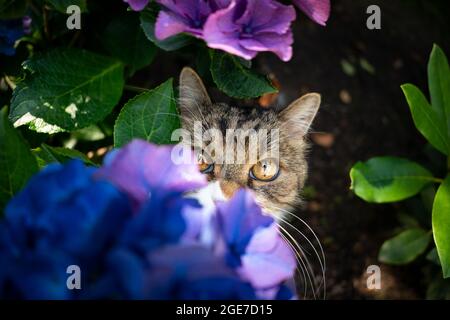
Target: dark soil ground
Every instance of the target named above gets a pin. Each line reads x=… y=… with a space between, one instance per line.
x=364 y=114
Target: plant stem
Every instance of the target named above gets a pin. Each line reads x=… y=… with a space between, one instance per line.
x=74 y=39
x=46 y=27
x=134 y=88
x=10 y=83
x=437 y=180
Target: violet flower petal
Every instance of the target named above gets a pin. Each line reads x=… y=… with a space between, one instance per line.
x=238 y=220
x=140 y=167
x=281 y=45
x=220 y=32
x=317 y=10
x=245 y=28
x=168 y=25
x=185 y=16
x=267 y=251
x=267 y=16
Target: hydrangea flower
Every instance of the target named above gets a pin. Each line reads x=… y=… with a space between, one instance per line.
x=140 y=168
x=198 y=271
x=317 y=10
x=134 y=235
x=247 y=27
x=253 y=244
x=240 y=27
x=60 y=218
x=185 y=16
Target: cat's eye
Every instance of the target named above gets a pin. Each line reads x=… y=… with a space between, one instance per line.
x=204 y=166
x=265 y=170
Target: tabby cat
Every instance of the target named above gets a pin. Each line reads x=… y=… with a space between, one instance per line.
x=276 y=184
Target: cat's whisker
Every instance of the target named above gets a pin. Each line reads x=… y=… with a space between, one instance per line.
x=322 y=261
x=315 y=286
x=299 y=264
x=310 y=229
x=310 y=268
x=303 y=235
x=307 y=266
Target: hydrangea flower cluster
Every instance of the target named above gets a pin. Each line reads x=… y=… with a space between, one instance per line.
x=240 y=27
x=134 y=234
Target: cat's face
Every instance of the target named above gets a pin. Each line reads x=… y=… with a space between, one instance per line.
x=276 y=181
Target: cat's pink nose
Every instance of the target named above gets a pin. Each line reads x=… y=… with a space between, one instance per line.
x=228 y=188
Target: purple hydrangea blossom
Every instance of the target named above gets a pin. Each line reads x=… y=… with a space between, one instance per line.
x=195 y=273
x=317 y=10
x=252 y=243
x=247 y=27
x=137 y=5
x=189 y=16
x=140 y=167
x=240 y=27
x=68 y=214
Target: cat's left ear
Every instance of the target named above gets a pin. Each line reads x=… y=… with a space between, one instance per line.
x=298 y=116
x=193 y=96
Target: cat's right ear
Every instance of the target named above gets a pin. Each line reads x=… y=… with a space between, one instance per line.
x=298 y=116
x=193 y=95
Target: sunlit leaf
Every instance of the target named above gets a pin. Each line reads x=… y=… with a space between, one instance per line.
x=151 y=116
x=441 y=225
x=388 y=179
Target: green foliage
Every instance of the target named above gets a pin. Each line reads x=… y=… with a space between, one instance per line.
x=441 y=225
x=151 y=116
x=405 y=247
x=46 y=154
x=62 y=97
x=124 y=39
x=427 y=121
x=17 y=163
x=11 y=9
x=61 y=5
x=439 y=84
x=388 y=179
x=236 y=79
x=58 y=94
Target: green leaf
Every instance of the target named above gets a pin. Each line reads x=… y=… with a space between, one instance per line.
x=441 y=225
x=388 y=179
x=438 y=288
x=405 y=247
x=148 y=19
x=439 y=84
x=236 y=80
x=17 y=163
x=61 y=5
x=427 y=121
x=432 y=256
x=46 y=154
x=12 y=9
x=66 y=89
x=124 y=39
x=91 y=133
x=151 y=116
